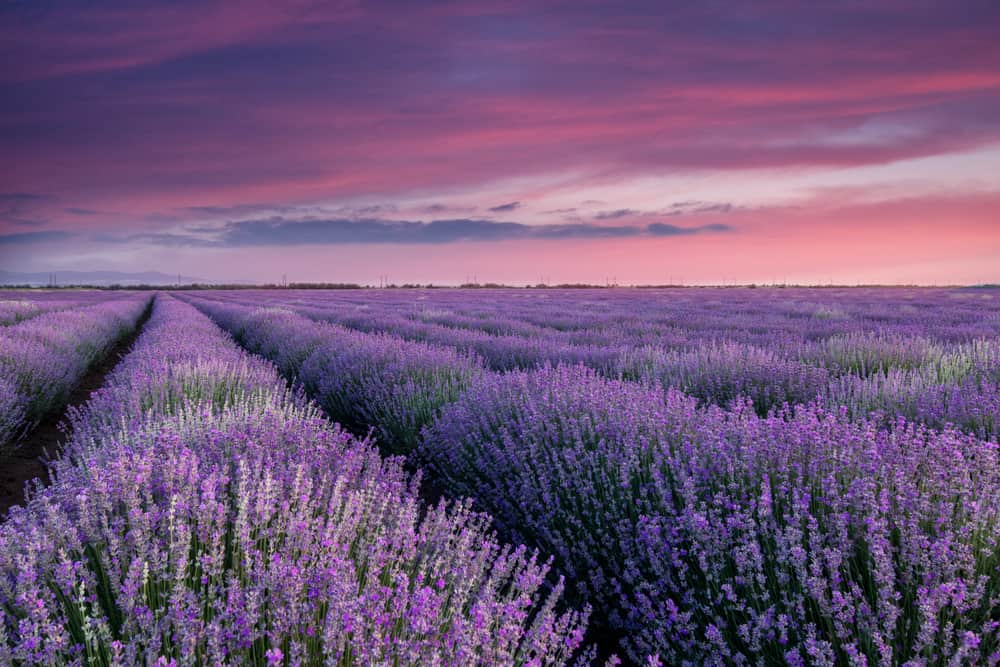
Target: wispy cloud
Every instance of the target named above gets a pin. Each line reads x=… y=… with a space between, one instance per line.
x=614 y=215
x=25 y=222
x=685 y=208
x=664 y=229
x=278 y=231
x=21 y=197
x=503 y=208
x=21 y=209
x=170 y=240
x=695 y=207
x=26 y=238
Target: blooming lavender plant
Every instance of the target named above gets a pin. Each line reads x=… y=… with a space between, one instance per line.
x=202 y=513
x=727 y=372
x=720 y=537
x=361 y=380
x=13 y=311
x=972 y=403
x=43 y=358
x=11 y=410
x=25 y=305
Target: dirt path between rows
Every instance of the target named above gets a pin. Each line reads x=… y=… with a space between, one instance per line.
x=26 y=461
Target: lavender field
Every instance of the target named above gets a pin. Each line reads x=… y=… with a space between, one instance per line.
x=699 y=476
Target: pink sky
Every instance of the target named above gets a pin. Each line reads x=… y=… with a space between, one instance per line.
x=507 y=141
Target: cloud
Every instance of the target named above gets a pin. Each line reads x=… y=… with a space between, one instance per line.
x=24 y=222
x=374 y=209
x=282 y=232
x=164 y=239
x=715 y=208
x=503 y=208
x=583 y=230
x=231 y=210
x=21 y=197
x=170 y=240
x=279 y=232
x=21 y=208
x=694 y=207
x=664 y=229
x=408 y=117
x=614 y=215
x=438 y=209
x=24 y=238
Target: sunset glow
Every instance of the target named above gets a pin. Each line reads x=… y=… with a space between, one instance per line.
x=644 y=143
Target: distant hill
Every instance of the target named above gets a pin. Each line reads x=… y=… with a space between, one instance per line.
x=96 y=278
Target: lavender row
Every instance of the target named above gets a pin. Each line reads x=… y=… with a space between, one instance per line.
x=718 y=536
x=43 y=358
x=20 y=305
x=887 y=373
x=361 y=380
x=891 y=371
x=13 y=311
x=711 y=536
x=681 y=319
x=872 y=377
x=204 y=514
x=660 y=317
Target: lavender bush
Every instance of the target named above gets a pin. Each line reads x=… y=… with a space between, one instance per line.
x=43 y=358
x=204 y=514
x=724 y=373
x=973 y=402
x=11 y=410
x=361 y=380
x=720 y=537
x=25 y=305
x=15 y=310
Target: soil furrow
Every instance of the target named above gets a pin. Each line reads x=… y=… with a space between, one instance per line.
x=26 y=459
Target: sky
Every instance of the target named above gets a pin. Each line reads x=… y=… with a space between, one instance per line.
x=637 y=142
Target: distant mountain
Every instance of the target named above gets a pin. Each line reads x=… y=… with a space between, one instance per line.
x=96 y=278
